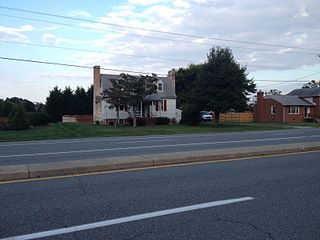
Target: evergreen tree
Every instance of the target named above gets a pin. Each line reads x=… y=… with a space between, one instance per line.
x=89 y=101
x=68 y=106
x=54 y=104
x=80 y=100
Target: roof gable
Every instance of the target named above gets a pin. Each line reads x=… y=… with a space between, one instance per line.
x=287 y=100
x=168 y=87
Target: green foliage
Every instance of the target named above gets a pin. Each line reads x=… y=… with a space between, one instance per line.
x=54 y=104
x=220 y=84
x=190 y=114
x=140 y=121
x=162 y=121
x=130 y=91
x=185 y=82
x=18 y=119
x=69 y=102
x=26 y=104
x=38 y=118
x=6 y=109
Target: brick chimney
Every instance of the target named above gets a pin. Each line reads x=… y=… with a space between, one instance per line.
x=172 y=76
x=260 y=106
x=97 y=108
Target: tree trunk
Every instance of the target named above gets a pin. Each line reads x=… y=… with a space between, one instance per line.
x=117 y=123
x=134 y=117
x=217 y=116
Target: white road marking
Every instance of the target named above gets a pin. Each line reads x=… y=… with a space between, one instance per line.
x=152 y=146
x=127 y=219
x=128 y=138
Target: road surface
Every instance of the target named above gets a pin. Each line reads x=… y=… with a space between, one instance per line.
x=12 y=153
x=267 y=198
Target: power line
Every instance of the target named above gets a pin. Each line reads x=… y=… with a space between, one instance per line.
x=93 y=51
x=155 y=31
x=131 y=71
x=153 y=37
x=294 y=80
x=73 y=65
x=140 y=56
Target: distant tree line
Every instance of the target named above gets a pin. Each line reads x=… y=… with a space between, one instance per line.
x=22 y=113
x=69 y=102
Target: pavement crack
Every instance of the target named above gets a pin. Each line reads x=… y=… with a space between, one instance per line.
x=248 y=224
x=82 y=186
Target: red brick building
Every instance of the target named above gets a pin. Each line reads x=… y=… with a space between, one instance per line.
x=297 y=106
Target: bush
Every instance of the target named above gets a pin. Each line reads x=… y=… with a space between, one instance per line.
x=140 y=121
x=191 y=114
x=38 y=118
x=162 y=121
x=18 y=119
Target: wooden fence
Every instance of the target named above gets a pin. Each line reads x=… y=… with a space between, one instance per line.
x=243 y=117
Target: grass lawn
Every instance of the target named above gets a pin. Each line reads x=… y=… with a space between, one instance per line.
x=78 y=130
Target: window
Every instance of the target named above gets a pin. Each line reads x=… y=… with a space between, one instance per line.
x=294 y=110
x=273 y=110
x=121 y=108
x=160 y=86
x=121 y=121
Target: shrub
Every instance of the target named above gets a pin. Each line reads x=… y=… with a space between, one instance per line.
x=18 y=119
x=140 y=121
x=38 y=118
x=162 y=121
x=191 y=114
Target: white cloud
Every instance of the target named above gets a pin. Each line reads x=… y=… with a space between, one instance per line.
x=80 y=13
x=302 y=13
x=181 y=4
x=51 y=39
x=144 y=2
x=7 y=33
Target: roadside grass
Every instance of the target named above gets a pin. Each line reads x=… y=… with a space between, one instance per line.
x=78 y=130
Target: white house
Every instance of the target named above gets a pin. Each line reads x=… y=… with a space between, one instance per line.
x=160 y=104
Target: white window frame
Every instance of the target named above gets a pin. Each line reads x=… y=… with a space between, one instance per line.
x=160 y=89
x=273 y=110
x=293 y=109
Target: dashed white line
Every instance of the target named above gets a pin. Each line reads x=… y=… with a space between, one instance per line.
x=127 y=219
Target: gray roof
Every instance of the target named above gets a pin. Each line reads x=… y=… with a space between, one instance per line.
x=289 y=100
x=305 y=92
x=168 y=89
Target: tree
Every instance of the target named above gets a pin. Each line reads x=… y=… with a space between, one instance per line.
x=115 y=94
x=68 y=105
x=26 y=104
x=273 y=92
x=54 y=104
x=6 y=109
x=312 y=84
x=80 y=99
x=185 y=82
x=134 y=89
x=89 y=101
x=223 y=84
x=18 y=119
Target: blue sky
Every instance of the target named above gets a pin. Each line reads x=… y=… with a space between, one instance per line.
x=293 y=24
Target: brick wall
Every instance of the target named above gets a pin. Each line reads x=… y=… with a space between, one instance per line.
x=78 y=118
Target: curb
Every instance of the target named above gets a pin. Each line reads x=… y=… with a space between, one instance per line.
x=67 y=168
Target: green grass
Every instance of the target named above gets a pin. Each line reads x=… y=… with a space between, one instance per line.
x=77 y=130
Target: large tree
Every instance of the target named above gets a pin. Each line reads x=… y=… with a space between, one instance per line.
x=68 y=103
x=223 y=84
x=131 y=91
x=79 y=101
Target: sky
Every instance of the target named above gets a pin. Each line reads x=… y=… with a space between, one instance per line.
x=278 y=41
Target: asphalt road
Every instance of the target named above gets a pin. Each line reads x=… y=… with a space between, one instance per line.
x=76 y=149
x=284 y=202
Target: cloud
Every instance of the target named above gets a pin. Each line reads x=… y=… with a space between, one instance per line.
x=7 y=33
x=52 y=39
x=181 y=4
x=80 y=13
x=302 y=13
x=144 y=2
